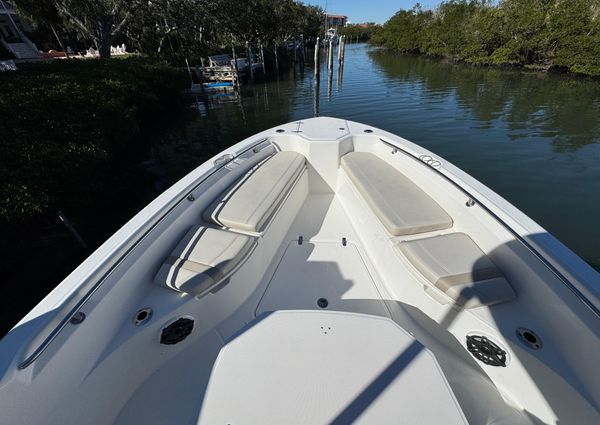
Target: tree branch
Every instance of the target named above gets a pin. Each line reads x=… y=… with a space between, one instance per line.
x=123 y=22
x=76 y=20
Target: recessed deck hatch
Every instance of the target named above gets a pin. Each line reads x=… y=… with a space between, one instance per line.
x=312 y=272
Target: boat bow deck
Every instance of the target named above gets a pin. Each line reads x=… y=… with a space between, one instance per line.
x=311 y=367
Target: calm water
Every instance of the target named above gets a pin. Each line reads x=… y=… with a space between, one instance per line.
x=533 y=138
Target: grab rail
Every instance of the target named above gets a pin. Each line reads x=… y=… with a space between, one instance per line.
x=473 y=199
x=75 y=311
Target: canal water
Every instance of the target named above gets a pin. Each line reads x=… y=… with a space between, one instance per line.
x=533 y=138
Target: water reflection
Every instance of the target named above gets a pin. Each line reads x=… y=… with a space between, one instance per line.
x=564 y=109
x=316 y=95
x=340 y=76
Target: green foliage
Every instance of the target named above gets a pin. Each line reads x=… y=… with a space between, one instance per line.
x=178 y=28
x=359 y=32
x=64 y=123
x=574 y=31
x=537 y=34
x=404 y=30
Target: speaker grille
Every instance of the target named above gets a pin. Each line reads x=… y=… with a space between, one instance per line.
x=176 y=331
x=486 y=351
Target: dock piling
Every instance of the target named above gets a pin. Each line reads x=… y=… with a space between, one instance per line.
x=250 y=61
x=189 y=70
x=317 y=45
x=330 y=55
x=295 y=51
x=235 y=67
x=262 y=57
x=276 y=59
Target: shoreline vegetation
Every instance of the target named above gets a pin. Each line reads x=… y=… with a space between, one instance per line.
x=171 y=30
x=543 y=35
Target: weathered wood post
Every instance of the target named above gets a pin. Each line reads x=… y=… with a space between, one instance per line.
x=276 y=59
x=317 y=67
x=330 y=55
x=303 y=50
x=200 y=73
x=190 y=73
x=339 y=52
x=249 y=54
x=343 y=48
x=235 y=67
x=295 y=51
x=262 y=57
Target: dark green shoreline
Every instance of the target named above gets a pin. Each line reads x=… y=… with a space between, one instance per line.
x=528 y=34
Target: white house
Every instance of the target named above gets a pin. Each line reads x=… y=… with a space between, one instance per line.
x=12 y=33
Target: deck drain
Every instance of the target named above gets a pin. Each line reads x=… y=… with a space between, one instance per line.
x=529 y=338
x=280 y=130
x=142 y=316
x=368 y=130
x=322 y=302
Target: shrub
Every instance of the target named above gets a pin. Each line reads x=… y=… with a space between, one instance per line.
x=64 y=122
x=537 y=34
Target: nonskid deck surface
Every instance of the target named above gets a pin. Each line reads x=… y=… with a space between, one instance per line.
x=326 y=275
x=325 y=268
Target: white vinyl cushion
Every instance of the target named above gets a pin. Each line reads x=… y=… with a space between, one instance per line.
x=249 y=203
x=201 y=259
x=402 y=207
x=457 y=266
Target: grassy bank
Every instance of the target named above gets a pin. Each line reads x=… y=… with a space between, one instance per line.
x=71 y=134
x=537 y=34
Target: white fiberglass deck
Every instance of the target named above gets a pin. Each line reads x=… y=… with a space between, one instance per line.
x=340 y=301
x=354 y=369
x=326 y=264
